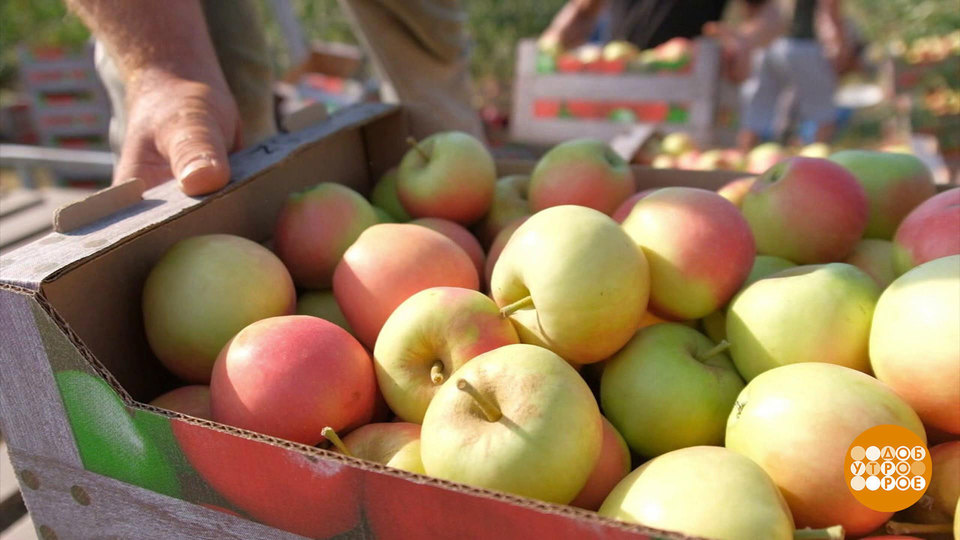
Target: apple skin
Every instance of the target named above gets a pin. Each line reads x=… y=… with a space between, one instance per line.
x=509 y=204
x=455 y=183
x=764 y=266
x=324 y=305
x=192 y=400
x=291 y=376
x=815 y=150
x=662 y=393
x=394 y=444
x=277 y=486
x=875 y=257
x=584 y=172
x=940 y=501
x=763 y=156
x=699 y=247
x=663 y=161
x=388 y=264
x=496 y=248
x=315 y=227
x=677 y=143
x=915 y=341
x=929 y=231
x=612 y=465
x=588 y=281
x=797 y=423
x=894 y=183
x=384 y=196
x=704 y=492
x=807 y=210
x=627 y=205
x=189 y=319
x=449 y=325
x=459 y=234
x=816 y=313
x=544 y=446
x=735 y=190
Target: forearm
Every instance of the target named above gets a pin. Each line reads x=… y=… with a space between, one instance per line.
x=763 y=26
x=834 y=22
x=150 y=38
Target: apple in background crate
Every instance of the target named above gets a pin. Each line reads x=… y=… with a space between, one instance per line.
x=584 y=172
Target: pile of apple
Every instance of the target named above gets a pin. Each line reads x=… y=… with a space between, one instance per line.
x=927 y=49
x=672 y=56
x=732 y=350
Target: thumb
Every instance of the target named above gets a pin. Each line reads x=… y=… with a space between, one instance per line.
x=195 y=147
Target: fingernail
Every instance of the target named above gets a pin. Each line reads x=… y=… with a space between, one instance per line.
x=194 y=166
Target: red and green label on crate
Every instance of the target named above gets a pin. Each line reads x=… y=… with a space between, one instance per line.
x=625 y=112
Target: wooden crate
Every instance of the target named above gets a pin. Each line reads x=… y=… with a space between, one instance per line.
x=696 y=90
x=94 y=461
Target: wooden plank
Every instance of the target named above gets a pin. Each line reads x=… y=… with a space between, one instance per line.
x=92 y=162
x=18 y=200
x=114 y=509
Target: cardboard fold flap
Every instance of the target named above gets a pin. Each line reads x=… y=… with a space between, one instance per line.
x=98 y=205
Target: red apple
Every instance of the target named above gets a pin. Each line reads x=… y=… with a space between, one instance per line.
x=585 y=172
x=929 y=231
x=806 y=210
x=699 y=247
x=459 y=234
x=612 y=465
x=292 y=376
x=388 y=264
x=193 y=400
x=394 y=444
x=627 y=206
x=315 y=227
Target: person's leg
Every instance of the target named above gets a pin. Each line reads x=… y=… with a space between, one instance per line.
x=814 y=82
x=759 y=94
x=421 y=50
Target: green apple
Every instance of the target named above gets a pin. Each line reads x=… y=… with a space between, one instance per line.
x=620 y=50
x=705 y=492
x=817 y=150
x=797 y=423
x=324 y=305
x=677 y=143
x=394 y=444
x=428 y=338
x=383 y=216
x=766 y=265
x=816 y=313
x=384 y=195
x=509 y=204
x=875 y=257
x=915 y=341
x=517 y=419
x=448 y=175
x=670 y=387
x=572 y=281
x=895 y=184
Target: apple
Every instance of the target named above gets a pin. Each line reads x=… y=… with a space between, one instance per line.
x=459 y=234
x=670 y=387
x=626 y=206
x=797 y=422
x=324 y=305
x=699 y=247
x=620 y=50
x=807 y=210
x=875 y=257
x=448 y=175
x=675 y=52
x=612 y=465
x=509 y=204
x=292 y=376
x=815 y=150
x=384 y=195
x=585 y=172
x=689 y=160
x=572 y=281
x=193 y=400
x=517 y=419
x=663 y=161
x=734 y=159
x=383 y=216
x=677 y=143
x=735 y=190
x=939 y=503
x=496 y=248
x=714 y=325
x=428 y=338
x=895 y=184
x=388 y=264
x=203 y=291
x=394 y=444
x=315 y=227
x=704 y=492
x=915 y=341
x=766 y=265
x=764 y=156
x=711 y=160
x=816 y=313
x=929 y=231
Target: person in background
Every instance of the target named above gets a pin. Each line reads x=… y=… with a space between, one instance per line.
x=804 y=62
x=190 y=80
x=648 y=23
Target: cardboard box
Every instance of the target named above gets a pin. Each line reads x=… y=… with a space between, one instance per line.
x=76 y=370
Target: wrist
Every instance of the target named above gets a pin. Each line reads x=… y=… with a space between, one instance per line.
x=153 y=77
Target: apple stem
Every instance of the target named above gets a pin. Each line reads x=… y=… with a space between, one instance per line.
x=489 y=408
x=416 y=146
x=717 y=349
x=331 y=435
x=436 y=372
x=899 y=528
x=510 y=309
x=830 y=533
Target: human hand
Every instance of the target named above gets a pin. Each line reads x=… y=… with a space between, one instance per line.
x=178 y=128
x=735 y=51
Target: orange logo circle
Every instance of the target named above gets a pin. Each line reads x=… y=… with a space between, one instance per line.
x=887 y=468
